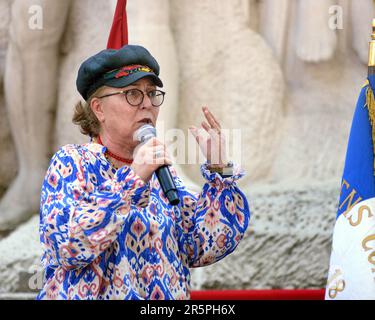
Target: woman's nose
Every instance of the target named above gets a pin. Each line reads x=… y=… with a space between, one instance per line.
x=146 y=103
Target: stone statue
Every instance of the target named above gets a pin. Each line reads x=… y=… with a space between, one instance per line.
x=43 y=64
x=152 y=29
x=322 y=73
x=228 y=67
x=309 y=47
x=82 y=37
x=273 y=25
x=39 y=81
x=284 y=19
x=7 y=151
x=30 y=82
x=4 y=28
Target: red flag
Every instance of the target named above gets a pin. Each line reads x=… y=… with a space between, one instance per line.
x=118 y=35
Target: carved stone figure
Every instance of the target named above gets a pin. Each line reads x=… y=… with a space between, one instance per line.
x=324 y=77
x=70 y=33
x=41 y=67
x=7 y=150
x=228 y=67
x=30 y=81
x=152 y=29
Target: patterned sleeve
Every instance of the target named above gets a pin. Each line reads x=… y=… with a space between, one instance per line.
x=215 y=220
x=78 y=221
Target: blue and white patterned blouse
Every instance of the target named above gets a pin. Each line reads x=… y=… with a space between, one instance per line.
x=108 y=235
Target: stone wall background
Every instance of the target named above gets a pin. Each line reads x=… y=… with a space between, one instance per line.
x=7 y=151
x=295 y=118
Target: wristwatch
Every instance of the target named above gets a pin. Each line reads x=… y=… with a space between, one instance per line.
x=226 y=171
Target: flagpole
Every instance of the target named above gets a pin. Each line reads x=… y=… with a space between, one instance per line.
x=371 y=57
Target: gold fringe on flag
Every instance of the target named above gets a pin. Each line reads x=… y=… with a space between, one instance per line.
x=370 y=104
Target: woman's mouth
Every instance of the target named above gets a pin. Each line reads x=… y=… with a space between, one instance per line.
x=145 y=121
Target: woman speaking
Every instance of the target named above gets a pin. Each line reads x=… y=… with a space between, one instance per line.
x=106 y=227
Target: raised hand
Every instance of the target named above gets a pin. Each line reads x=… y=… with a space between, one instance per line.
x=212 y=146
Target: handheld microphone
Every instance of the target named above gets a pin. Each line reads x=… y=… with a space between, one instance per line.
x=143 y=134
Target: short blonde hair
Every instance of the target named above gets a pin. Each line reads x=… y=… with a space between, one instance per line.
x=85 y=118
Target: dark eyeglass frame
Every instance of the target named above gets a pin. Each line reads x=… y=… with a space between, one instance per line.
x=125 y=93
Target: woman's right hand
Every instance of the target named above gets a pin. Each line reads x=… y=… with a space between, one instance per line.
x=148 y=157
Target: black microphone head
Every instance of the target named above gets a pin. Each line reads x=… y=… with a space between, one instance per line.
x=144 y=133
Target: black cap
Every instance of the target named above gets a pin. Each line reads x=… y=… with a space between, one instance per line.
x=117 y=68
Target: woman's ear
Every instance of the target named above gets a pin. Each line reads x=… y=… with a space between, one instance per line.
x=97 y=107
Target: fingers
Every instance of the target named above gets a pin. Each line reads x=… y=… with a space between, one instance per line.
x=153 y=142
x=213 y=132
x=206 y=126
x=197 y=134
x=158 y=155
x=214 y=124
x=158 y=149
x=167 y=161
x=153 y=152
x=161 y=160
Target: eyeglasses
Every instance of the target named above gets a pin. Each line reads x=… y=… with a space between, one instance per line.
x=135 y=96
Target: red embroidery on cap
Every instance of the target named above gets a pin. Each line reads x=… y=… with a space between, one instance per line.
x=127 y=70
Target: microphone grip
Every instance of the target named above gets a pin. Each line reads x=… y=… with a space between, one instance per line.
x=167 y=184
